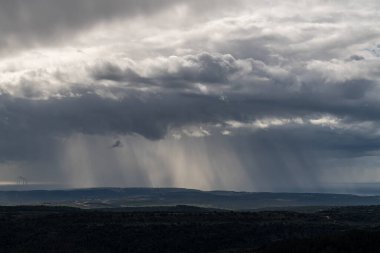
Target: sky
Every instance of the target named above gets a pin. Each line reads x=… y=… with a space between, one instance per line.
x=244 y=95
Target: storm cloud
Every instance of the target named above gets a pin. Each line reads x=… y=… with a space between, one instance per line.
x=255 y=95
x=28 y=24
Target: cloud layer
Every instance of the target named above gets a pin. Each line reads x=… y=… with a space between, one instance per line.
x=289 y=89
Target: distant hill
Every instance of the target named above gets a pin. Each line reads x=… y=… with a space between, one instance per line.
x=140 y=197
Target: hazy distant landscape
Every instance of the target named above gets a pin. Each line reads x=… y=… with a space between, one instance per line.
x=142 y=197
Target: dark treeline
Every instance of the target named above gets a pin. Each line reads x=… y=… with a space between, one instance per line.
x=348 y=242
x=187 y=229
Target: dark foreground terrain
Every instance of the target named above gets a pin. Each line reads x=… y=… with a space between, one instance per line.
x=188 y=229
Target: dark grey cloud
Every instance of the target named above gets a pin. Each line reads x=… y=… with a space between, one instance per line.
x=43 y=19
x=26 y=122
x=26 y=23
x=356 y=58
x=117 y=144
